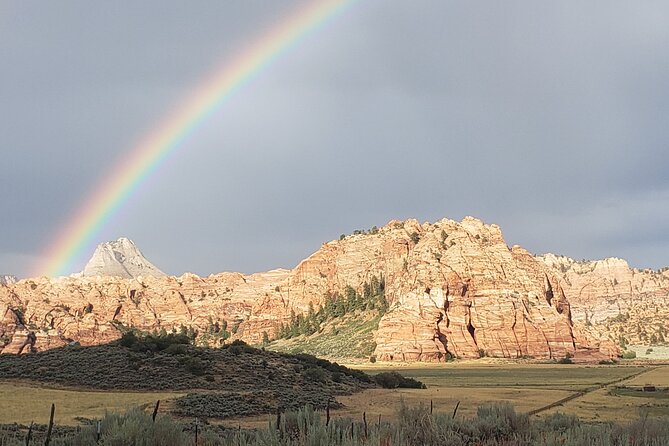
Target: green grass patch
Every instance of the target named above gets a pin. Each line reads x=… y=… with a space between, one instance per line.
x=549 y=376
x=351 y=336
x=660 y=394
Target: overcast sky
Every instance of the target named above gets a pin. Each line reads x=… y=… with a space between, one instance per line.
x=550 y=119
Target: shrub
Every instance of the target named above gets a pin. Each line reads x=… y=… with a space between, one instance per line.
x=177 y=349
x=559 y=422
x=500 y=421
x=372 y=359
x=238 y=347
x=629 y=354
x=314 y=374
x=142 y=342
x=393 y=380
x=128 y=339
x=195 y=366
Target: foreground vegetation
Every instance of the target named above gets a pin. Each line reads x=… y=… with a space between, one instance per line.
x=492 y=425
x=234 y=380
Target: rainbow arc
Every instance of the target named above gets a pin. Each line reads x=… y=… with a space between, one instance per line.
x=169 y=135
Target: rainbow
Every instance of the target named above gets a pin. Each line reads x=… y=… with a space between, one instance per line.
x=114 y=191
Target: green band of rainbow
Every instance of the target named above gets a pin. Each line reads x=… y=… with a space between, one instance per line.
x=112 y=193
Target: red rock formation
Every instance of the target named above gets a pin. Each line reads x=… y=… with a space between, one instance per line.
x=610 y=297
x=454 y=288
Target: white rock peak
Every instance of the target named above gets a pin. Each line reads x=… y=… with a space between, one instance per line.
x=8 y=280
x=120 y=258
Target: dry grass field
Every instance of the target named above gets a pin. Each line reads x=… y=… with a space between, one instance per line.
x=526 y=386
x=24 y=403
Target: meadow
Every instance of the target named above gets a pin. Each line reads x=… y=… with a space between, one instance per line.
x=527 y=387
x=24 y=403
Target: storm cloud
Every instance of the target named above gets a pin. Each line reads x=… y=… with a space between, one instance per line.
x=550 y=119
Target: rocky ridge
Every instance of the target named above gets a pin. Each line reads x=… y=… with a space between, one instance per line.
x=455 y=289
x=628 y=305
x=120 y=258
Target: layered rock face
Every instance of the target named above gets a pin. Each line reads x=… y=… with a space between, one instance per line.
x=454 y=288
x=628 y=305
x=120 y=258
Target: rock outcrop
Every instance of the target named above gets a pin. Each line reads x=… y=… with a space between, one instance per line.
x=630 y=306
x=120 y=258
x=454 y=288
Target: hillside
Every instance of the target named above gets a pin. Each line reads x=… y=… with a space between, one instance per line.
x=235 y=380
x=452 y=289
x=349 y=337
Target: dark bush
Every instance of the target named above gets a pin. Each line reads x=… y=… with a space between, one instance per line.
x=238 y=347
x=195 y=366
x=629 y=354
x=151 y=342
x=128 y=339
x=393 y=380
x=177 y=349
x=314 y=374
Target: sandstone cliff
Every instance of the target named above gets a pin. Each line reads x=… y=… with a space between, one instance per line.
x=628 y=305
x=120 y=258
x=455 y=288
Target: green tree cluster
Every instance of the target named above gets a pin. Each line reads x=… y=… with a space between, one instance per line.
x=215 y=334
x=372 y=298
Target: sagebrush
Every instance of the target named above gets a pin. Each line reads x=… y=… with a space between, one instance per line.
x=493 y=425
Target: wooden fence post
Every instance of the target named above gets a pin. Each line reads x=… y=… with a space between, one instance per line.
x=155 y=411
x=48 y=432
x=364 y=421
x=30 y=434
x=456 y=409
x=327 y=413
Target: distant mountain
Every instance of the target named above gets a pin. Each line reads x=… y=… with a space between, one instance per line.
x=8 y=280
x=120 y=258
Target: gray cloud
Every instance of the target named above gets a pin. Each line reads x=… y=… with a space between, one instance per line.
x=550 y=119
